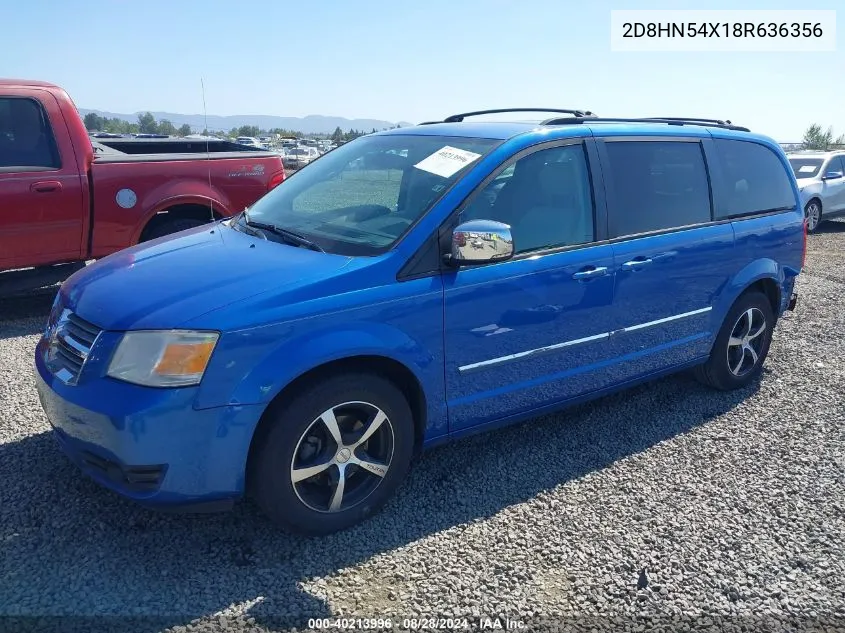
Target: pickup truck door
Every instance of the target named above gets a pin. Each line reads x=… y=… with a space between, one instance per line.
x=42 y=210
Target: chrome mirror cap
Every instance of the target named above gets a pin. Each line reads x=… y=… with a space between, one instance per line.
x=481 y=241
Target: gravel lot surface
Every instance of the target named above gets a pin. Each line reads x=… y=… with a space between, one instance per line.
x=668 y=507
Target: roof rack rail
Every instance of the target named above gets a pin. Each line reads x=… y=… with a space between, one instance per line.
x=691 y=119
x=457 y=118
x=668 y=121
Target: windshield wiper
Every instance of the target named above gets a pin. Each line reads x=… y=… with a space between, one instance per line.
x=288 y=236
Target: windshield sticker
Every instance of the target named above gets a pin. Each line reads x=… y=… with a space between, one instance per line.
x=804 y=169
x=447 y=161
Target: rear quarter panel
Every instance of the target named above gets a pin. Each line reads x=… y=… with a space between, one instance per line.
x=768 y=245
x=226 y=186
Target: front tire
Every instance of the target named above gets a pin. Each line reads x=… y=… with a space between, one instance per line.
x=334 y=455
x=813 y=215
x=742 y=344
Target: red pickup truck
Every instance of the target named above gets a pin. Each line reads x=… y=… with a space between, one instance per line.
x=65 y=199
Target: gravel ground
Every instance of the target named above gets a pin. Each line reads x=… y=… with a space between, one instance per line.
x=669 y=507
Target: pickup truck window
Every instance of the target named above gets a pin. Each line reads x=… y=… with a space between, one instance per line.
x=25 y=136
x=362 y=197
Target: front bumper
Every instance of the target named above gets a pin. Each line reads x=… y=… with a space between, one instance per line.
x=150 y=445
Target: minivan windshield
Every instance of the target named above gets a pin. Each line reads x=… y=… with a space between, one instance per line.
x=360 y=198
x=806 y=167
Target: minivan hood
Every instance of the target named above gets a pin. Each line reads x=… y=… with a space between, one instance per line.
x=171 y=280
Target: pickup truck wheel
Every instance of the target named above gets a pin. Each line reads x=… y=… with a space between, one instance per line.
x=175 y=225
x=334 y=455
x=742 y=344
x=813 y=213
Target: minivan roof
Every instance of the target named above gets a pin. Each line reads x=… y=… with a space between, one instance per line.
x=503 y=130
x=565 y=122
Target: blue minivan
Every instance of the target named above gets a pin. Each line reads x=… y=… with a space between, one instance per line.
x=413 y=286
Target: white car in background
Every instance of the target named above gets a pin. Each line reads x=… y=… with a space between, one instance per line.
x=821 y=180
x=299 y=157
x=249 y=141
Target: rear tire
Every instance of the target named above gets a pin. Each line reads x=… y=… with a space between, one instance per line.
x=365 y=466
x=170 y=226
x=742 y=344
x=813 y=215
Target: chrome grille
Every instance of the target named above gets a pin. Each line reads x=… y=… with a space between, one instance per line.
x=70 y=339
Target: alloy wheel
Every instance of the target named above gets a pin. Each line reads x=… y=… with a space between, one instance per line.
x=746 y=342
x=813 y=214
x=342 y=457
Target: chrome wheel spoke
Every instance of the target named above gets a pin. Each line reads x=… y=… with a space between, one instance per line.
x=757 y=332
x=330 y=422
x=371 y=466
x=372 y=428
x=748 y=318
x=734 y=341
x=301 y=474
x=753 y=354
x=337 y=495
x=740 y=360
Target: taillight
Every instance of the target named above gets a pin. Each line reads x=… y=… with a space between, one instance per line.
x=276 y=180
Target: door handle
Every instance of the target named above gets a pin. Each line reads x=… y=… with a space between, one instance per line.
x=634 y=264
x=589 y=273
x=45 y=186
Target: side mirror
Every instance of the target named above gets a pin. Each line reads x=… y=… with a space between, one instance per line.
x=479 y=242
x=832 y=175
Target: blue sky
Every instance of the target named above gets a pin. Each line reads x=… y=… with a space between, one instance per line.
x=410 y=61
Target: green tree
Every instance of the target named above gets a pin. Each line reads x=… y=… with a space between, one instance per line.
x=147 y=123
x=816 y=138
x=94 y=122
x=337 y=135
x=166 y=127
x=205 y=132
x=184 y=130
x=247 y=130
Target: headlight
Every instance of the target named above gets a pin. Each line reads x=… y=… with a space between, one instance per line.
x=166 y=358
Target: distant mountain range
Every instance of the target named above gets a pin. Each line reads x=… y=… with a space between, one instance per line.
x=312 y=124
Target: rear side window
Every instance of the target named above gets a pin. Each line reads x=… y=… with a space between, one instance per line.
x=25 y=136
x=656 y=185
x=755 y=178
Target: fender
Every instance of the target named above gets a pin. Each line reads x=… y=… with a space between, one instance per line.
x=763 y=268
x=293 y=349
x=164 y=200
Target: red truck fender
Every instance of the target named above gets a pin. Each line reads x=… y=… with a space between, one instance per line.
x=214 y=205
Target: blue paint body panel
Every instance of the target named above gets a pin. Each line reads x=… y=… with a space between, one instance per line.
x=487 y=345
